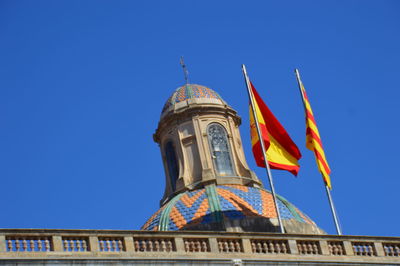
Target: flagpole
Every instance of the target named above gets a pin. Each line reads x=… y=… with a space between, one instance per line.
x=271 y=183
x=328 y=191
x=335 y=219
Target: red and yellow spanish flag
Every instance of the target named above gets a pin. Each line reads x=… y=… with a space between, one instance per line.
x=282 y=152
x=313 y=139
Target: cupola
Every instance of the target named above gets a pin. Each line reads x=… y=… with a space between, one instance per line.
x=200 y=143
x=209 y=185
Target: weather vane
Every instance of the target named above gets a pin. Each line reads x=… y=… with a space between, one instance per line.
x=185 y=71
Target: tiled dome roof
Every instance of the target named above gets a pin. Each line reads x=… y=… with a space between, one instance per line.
x=192 y=91
x=210 y=205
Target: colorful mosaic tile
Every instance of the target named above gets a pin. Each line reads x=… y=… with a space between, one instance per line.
x=190 y=91
x=152 y=223
x=206 y=205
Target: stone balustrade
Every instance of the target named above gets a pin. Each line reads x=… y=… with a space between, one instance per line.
x=47 y=244
x=197 y=245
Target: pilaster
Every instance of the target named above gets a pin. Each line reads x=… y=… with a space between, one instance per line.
x=214 y=245
x=129 y=246
x=348 y=248
x=324 y=247
x=246 y=246
x=380 y=252
x=180 y=246
x=293 y=247
x=3 y=247
x=93 y=243
x=57 y=244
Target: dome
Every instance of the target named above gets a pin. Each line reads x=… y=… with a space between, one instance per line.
x=213 y=207
x=197 y=93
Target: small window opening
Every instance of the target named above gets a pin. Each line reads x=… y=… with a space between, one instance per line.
x=220 y=151
x=172 y=164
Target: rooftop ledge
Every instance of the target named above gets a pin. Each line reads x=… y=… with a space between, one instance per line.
x=61 y=244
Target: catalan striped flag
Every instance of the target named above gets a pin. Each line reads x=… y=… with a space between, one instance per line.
x=282 y=153
x=313 y=139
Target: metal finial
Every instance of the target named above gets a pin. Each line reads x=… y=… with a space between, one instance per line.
x=185 y=71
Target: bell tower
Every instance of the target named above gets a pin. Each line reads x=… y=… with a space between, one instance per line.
x=200 y=143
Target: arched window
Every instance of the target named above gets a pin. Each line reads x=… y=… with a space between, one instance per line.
x=220 y=151
x=172 y=164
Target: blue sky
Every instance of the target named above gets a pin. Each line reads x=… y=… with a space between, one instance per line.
x=82 y=85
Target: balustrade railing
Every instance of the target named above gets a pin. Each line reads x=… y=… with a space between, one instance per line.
x=309 y=247
x=111 y=244
x=75 y=244
x=196 y=245
x=392 y=249
x=364 y=249
x=154 y=245
x=336 y=248
x=20 y=242
x=28 y=243
x=270 y=246
x=230 y=245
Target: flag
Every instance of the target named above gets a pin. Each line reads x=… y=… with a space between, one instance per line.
x=282 y=152
x=313 y=139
